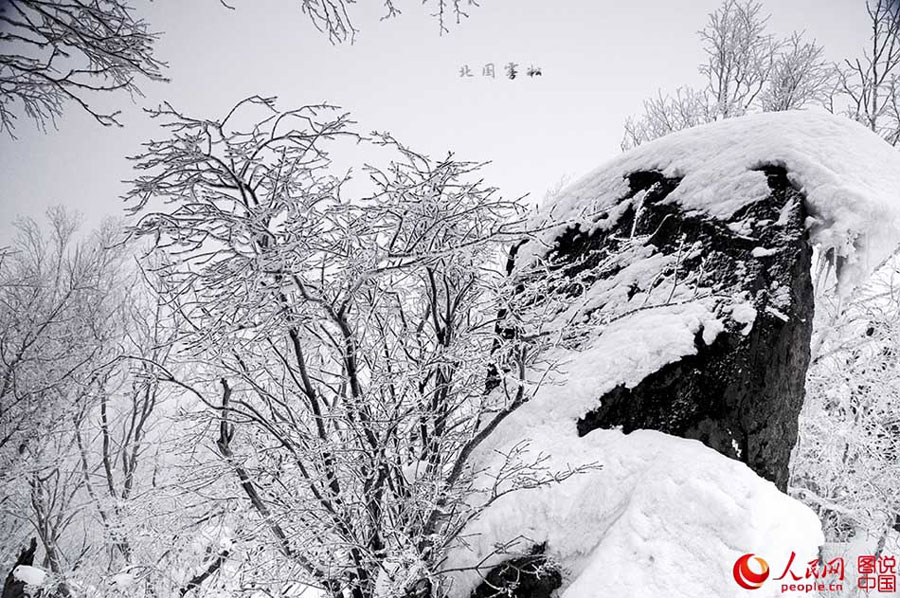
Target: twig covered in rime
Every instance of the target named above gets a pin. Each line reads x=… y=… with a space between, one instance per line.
x=57 y=53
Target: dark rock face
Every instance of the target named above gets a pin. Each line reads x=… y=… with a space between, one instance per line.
x=12 y=587
x=524 y=577
x=742 y=394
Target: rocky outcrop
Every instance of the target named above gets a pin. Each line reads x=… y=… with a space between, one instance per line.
x=741 y=394
x=665 y=303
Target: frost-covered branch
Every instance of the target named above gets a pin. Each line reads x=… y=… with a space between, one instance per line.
x=59 y=53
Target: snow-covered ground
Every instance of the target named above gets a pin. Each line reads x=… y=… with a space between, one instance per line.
x=665 y=516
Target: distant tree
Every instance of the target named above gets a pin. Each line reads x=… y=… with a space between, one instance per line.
x=56 y=53
x=50 y=289
x=868 y=89
x=740 y=56
x=746 y=69
x=666 y=113
x=91 y=450
x=800 y=76
x=56 y=324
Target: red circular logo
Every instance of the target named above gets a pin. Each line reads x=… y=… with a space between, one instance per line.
x=746 y=577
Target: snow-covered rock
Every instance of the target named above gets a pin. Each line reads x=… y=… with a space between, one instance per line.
x=668 y=516
x=32 y=576
x=663 y=516
x=849 y=176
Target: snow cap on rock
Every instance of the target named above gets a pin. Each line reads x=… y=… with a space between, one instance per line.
x=848 y=174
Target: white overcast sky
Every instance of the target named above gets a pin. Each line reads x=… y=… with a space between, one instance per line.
x=599 y=59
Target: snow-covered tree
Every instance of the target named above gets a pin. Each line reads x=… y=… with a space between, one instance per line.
x=665 y=114
x=740 y=56
x=868 y=88
x=55 y=293
x=844 y=465
x=746 y=69
x=800 y=76
x=343 y=334
x=90 y=459
x=59 y=300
